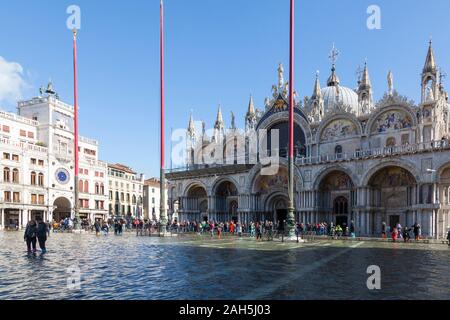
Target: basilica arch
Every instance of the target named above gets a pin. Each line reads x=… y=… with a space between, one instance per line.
x=338 y=126
x=194 y=204
x=336 y=196
x=225 y=200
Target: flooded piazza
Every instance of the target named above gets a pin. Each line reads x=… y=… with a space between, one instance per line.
x=194 y=267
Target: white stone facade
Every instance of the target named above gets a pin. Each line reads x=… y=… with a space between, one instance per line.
x=37 y=166
x=355 y=161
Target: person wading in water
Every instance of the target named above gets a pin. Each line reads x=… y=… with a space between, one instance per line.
x=30 y=236
x=42 y=232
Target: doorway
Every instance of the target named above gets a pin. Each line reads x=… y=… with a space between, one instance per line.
x=281 y=217
x=342 y=221
x=393 y=221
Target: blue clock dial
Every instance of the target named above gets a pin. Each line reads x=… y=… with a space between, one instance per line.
x=62 y=175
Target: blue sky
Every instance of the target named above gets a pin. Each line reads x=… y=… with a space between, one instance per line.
x=217 y=52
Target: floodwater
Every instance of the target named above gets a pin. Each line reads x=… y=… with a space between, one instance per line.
x=191 y=267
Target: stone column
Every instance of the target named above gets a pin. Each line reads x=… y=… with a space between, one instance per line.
x=20 y=219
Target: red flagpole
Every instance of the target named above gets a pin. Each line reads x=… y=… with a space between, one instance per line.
x=291 y=83
x=75 y=110
x=162 y=216
x=162 y=81
x=290 y=219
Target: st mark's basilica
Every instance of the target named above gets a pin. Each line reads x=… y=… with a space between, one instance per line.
x=356 y=159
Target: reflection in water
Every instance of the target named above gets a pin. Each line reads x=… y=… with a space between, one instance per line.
x=151 y=268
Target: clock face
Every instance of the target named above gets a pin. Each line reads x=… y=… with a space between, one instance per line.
x=62 y=175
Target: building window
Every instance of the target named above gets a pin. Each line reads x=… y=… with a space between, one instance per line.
x=41 y=163
x=97 y=189
x=30 y=135
x=33 y=199
x=6 y=175
x=122 y=196
x=153 y=190
x=153 y=200
x=7 y=196
x=23 y=133
x=338 y=150
x=33 y=178
x=134 y=199
x=15 y=157
x=6 y=129
x=16 y=197
x=33 y=161
x=15 y=177
x=6 y=156
x=102 y=189
x=110 y=195
x=80 y=186
x=86 y=172
x=41 y=179
x=128 y=197
x=86 y=187
x=41 y=199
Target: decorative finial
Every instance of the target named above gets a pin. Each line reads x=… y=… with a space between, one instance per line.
x=334 y=55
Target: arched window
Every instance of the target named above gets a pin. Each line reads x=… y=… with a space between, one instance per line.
x=15 y=177
x=41 y=179
x=97 y=188
x=6 y=175
x=134 y=199
x=128 y=197
x=33 y=178
x=102 y=188
x=338 y=151
x=86 y=187
x=340 y=206
x=80 y=186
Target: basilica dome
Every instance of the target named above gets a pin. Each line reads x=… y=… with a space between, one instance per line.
x=335 y=94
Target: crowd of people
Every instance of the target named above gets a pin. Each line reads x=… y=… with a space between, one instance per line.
x=38 y=230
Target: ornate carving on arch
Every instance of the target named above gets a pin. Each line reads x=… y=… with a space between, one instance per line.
x=391 y=119
x=232 y=190
x=193 y=184
x=337 y=168
x=404 y=164
x=254 y=174
x=338 y=126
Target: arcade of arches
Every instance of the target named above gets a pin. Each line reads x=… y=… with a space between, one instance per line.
x=392 y=195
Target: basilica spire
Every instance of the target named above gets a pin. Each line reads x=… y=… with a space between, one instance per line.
x=430 y=62
x=250 y=118
x=191 y=127
x=317 y=89
x=430 y=77
x=219 y=121
x=365 y=95
x=365 y=82
x=251 y=107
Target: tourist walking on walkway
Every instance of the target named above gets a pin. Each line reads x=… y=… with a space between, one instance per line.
x=258 y=231
x=30 y=236
x=394 y=234
x=406 y=236
x=42 y=232
x=416 y=231
x=97 y=227
x=383 y=230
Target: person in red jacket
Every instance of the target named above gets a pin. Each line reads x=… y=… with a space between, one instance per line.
x=394 y=234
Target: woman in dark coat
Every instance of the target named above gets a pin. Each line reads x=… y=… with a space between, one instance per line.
x=30 y=236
